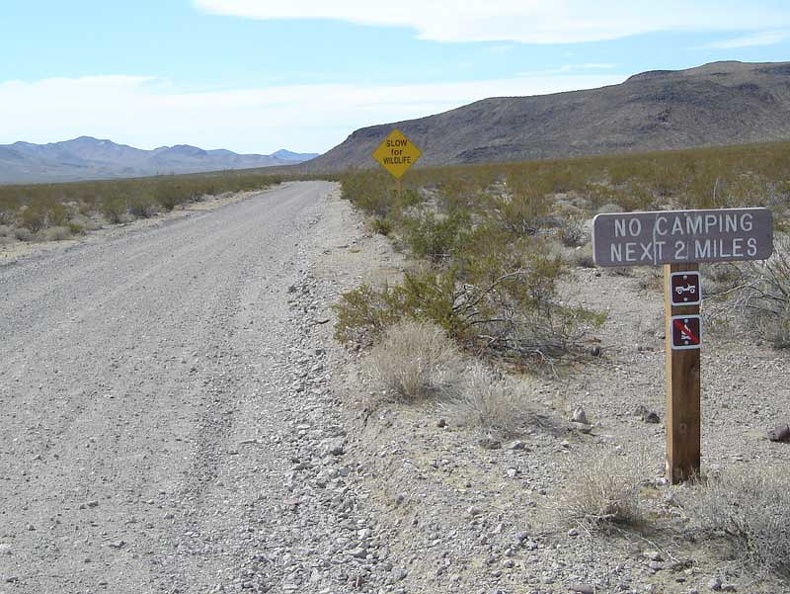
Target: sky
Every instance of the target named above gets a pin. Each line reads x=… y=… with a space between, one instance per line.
x=256 y=76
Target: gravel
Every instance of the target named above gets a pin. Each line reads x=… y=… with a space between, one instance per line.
x=167 y=419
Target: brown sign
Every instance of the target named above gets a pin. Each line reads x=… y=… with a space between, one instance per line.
x=681 y=236
x=686 y=332
x=685 y=288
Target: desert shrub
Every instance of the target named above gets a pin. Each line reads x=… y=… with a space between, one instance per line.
x=57 y=214
x=167 y=196
x=142 y=206
x=76 y=228
x=33 y=217
x=603 y=491
x=54 y=234
x=518 y=211
x=23 y=234
x=750 y=509
x=380 y=226
x=498 y=405
x=415 y=360
x=113 y=209
x=370 y=191
x=364 y=313
x=487 y=306
x=764 y=295
x=572 y=232
x=582 y=257
x=436 y=238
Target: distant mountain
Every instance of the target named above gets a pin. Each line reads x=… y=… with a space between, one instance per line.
x=293 y=157
x=91 y=158
x=722 y=103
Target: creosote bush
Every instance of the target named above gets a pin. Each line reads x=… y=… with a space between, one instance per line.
x=33 y=209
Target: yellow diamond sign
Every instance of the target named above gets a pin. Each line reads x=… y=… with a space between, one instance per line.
x=396 y=154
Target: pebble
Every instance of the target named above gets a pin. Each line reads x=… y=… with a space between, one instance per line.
x=651 y=417
x=580 y=416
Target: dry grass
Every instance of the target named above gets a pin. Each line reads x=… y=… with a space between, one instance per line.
x=765 y=295
x=415 y=360
x=749 y=508
x=501 y=406
x=603 y=491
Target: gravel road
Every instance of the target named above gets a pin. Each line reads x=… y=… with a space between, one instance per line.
x=166 y=421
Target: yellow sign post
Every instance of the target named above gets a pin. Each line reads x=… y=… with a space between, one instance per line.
x=396 y=154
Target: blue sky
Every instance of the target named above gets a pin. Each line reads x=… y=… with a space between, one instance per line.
x=255 y=75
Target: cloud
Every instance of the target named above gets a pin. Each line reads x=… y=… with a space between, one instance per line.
x=526 y=21
x=759 y=39
x=147 y=112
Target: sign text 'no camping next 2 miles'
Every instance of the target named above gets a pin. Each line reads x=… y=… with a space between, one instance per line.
x=396 y=154
x=681 y=236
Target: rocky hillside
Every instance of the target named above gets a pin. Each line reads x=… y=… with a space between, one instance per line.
x=92 y=158
x=722 y=103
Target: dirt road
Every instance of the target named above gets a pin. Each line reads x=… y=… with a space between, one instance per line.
x=160 y=399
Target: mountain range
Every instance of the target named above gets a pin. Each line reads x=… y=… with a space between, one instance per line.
x=717 y=104
x=722 y=103
x=91 y=158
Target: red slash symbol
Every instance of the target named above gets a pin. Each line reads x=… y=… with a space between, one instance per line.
x=686 y=332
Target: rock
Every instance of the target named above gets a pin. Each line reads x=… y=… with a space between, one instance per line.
x=651 y=417
x=780 y=433
x=474 y=511
x=580 y=427
x=579 y=416
x=5 y=549
x=531 y=545
x=653 y=555
x=489 y=443
x=441 y=423
x=582 y=588
x=334 y=447
x=119 y=544
x=715 y=584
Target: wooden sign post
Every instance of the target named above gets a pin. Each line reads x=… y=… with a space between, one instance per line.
x=683 y=379
x=680 y=240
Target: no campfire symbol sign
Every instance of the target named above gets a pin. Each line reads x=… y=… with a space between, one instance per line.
x=686 y=332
